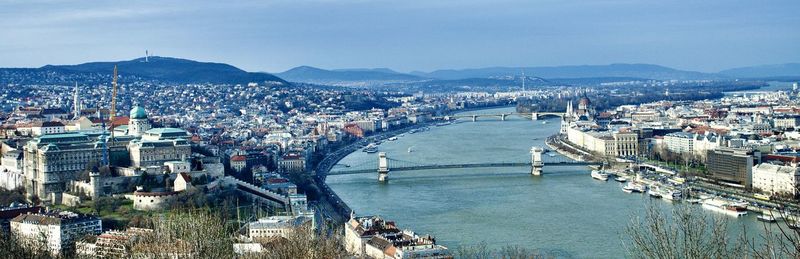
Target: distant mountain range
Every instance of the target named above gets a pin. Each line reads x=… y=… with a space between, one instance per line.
x=551 y=73
x=176 y=70
x=309 y=74
x=164 y=69
x=583 y=71
x=765 y=71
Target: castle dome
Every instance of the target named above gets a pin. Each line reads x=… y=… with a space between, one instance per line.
x=138 y=113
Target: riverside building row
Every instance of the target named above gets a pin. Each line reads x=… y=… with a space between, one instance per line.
x=748 y=142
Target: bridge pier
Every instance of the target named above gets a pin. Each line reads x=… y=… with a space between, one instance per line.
x=534 y=116
x=474 y=118
x=383 y=167
x=536 y=161
x=503 y=116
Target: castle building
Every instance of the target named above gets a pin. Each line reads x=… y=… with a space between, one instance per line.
x=158 y=146
x=52 y=160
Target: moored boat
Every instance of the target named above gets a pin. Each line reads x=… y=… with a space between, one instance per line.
x=672 y=195
x=726 y=207
x=632 y=187
x=600 y=175
x=371 y=148
x=766 y=218
x=621 y=179
x=654 y=193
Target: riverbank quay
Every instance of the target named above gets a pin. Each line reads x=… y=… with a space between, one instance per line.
x=563 y=147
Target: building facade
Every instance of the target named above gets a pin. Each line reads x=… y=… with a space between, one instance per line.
x=58 y=231
x=776 y=179
x=50 y=161
x=731 y=165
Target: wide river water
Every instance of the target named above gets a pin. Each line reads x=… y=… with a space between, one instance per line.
x=565 y=212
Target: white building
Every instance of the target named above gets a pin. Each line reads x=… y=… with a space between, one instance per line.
x=57 y=231
x=776 y=179
x=373 y=237
x=11 y=176
x=47 y=127
x=276 y=226
x=680 y=142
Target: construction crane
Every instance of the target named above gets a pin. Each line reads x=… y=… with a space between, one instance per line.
x=106 y=161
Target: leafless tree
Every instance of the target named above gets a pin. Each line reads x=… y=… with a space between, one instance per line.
x=683 y=233
x=483 y=251
x=199 y=234
x=305 y=242
x=782 y=240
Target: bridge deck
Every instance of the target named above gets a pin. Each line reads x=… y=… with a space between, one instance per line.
x=451 y=166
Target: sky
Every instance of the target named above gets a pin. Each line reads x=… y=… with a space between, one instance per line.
x=273 y=36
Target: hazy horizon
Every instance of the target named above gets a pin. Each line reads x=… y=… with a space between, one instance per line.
x=275 y=36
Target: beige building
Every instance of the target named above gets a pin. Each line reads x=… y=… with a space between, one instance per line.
x=607 y=143
x=276 y=226
x=58 y=231
x=776 y=179
x=159 y=146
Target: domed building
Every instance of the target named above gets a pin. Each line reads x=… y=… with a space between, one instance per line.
x=585 y=110
x=583 y=103
x=139 y=123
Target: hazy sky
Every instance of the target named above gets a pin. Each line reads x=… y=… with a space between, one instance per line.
x=705 y=35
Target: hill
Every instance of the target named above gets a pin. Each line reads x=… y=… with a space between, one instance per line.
x=309 y=74
x=163 y=69
x=765 y=71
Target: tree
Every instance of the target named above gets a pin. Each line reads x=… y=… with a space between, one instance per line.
x=198 y=233
x=685 y=233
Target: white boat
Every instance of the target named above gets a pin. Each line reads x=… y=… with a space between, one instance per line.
x=632 y=187
x=551 y=155
x=672 y=195
x=600 y=175
x=766 y=218
x=621 y=179
x=544 y=122
x=410 y=150
x=371 y=148
x=694 y=201
x=392 y=138
x=726 y=207
x=654 y=193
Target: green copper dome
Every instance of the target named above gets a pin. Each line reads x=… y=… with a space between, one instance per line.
x=138 y=113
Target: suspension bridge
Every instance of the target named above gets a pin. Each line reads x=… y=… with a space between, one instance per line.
x=503 y=116
x=384 y=164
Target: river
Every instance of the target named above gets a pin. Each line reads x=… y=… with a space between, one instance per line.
x=564 y=212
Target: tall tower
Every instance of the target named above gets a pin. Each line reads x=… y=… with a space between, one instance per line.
x=146 y=56
x=523 y=82
x=76 y=103
x=569 y=112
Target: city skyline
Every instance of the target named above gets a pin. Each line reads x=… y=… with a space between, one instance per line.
x=278 y=35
